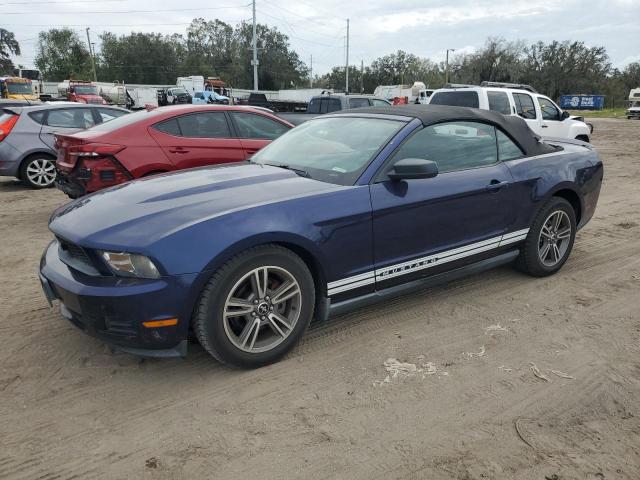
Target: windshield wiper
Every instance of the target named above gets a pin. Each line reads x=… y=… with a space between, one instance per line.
x=299 y=171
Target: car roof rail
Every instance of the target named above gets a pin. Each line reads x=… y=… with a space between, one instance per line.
x=518 y=86
x=458 y=85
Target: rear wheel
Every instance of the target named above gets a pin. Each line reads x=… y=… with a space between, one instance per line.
x=38 y=171
x=583 y=138
x=256 y=307
x=550 y=239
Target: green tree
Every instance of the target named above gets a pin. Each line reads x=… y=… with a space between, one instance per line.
x=149 y=58
x=561 y=68
x=60 y=55
x=210 y=49
x=497 y=61
x=8 y=46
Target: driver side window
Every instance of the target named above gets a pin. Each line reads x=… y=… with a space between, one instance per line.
x=548 y=108
x=452 y=145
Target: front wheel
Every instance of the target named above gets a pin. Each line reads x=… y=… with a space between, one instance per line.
x=256 y=307
x=38 y=172
x=550 y=239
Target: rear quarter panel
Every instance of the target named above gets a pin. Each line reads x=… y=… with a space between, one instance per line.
x=142 y=154
x=536 y=179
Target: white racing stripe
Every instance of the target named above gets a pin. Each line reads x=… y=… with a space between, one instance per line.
x=418 y=264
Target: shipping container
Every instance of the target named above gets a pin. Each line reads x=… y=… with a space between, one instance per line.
x=582 y=102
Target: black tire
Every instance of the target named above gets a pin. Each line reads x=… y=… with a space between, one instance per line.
x=583 y=138
x=36 y=181
x=529 y=260
x=208 y=320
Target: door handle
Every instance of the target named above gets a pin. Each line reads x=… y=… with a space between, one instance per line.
x=545 y=126
x=178 y=150
x=496 y=185
x=252 y=151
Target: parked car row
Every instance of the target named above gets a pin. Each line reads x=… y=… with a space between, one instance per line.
x=161 y=140
x=27 y=136
x=346 y=209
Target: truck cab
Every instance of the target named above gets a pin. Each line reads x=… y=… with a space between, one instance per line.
x=81 y=92
x=541 y=113
x=16 y=88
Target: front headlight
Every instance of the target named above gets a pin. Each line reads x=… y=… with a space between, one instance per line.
x=130 y=265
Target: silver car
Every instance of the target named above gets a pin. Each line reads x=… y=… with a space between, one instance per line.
x=27 y=149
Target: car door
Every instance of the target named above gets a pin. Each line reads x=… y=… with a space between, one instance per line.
x=65 y=120
x=256 y=131
x=197 y=139
x=552 y=121
x=423 y=226
x=527 y=110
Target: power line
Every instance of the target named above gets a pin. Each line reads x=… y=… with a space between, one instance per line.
x=62 y=2
x=305 y=29
x=103 y=24
x=132 y=11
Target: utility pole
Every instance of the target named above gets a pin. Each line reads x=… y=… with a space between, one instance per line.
x=446 y=65
x=361 y=76
x=311 y=73
x=346 y=83
x=93 y=60
x=254 y=62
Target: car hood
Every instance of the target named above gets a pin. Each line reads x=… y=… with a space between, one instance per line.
x=139 y=213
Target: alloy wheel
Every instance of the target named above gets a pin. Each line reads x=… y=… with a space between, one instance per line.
x=262 y=309
x=41 y=172
x=555 y=238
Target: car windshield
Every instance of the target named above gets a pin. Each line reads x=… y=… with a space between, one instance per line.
x=177 y=91
x=19 y=87
x=85 y=90
x=334 y=150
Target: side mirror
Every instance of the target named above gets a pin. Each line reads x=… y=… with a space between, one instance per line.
x=564 y=115
x=413 y=168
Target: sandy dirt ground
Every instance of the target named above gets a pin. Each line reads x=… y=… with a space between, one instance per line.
x=482 y=402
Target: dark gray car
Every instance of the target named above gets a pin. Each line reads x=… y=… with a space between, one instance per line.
x=27 y=148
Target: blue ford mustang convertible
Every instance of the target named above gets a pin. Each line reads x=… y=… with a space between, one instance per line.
x=343 y=210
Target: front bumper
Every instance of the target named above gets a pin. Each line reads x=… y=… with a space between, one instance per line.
x=113 y=308
x=633 y=114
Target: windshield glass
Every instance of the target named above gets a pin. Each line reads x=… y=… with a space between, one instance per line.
x=177 y=91
x=19 y=87
x=334 y=150
x=85 y=89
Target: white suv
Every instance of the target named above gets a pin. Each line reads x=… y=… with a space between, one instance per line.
x=542 y=115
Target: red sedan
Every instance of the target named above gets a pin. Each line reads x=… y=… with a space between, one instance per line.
x=161 y=140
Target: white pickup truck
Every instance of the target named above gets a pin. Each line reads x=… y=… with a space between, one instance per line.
x=634 y=104
x=542 y=115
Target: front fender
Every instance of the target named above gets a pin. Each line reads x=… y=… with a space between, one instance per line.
x=296 y=243
x=579 y=128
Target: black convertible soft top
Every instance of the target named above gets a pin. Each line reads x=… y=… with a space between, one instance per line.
x=513 y=126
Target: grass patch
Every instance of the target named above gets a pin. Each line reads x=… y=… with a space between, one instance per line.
x=604 y=113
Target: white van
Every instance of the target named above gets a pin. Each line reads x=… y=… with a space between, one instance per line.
x=542 y=115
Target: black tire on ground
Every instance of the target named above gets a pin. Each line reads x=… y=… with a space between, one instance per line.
x=529 y=260
x=583 y=138
x=208 y=319
x=38 y=171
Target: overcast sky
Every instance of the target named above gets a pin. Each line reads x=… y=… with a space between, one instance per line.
x=318 y=27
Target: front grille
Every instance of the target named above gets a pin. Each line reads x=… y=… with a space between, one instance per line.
x=76 y=257
x=96 y=101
